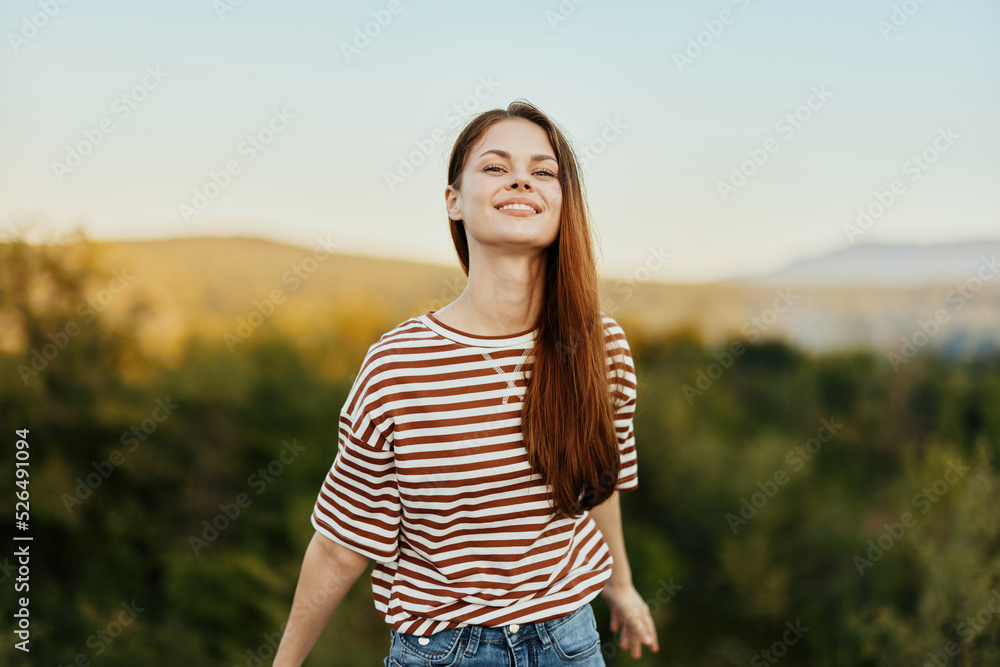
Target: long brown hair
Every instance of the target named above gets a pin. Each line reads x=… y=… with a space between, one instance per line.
x=568 y=417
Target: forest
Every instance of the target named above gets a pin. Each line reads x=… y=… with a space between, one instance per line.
x=793 y=508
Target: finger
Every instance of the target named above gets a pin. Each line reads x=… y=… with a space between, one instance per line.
x=653 y=640
x=638 y=635
x=614 y=620
x=645 y=629
x=649 y=632
x=634 y=640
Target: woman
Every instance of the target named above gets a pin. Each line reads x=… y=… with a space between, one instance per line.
x=483 y=445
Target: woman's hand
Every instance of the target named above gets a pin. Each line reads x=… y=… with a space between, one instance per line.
x=631 y=613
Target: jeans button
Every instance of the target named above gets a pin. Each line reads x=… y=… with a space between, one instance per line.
x=514 y=628
x=424 y=641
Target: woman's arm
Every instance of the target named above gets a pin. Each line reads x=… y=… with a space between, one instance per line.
x=608 y=517
x=329 y=570
x=628 y=610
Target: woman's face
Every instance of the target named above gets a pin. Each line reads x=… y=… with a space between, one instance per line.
x=513 y=163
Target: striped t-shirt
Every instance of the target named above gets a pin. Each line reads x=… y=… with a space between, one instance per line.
x=431 y=479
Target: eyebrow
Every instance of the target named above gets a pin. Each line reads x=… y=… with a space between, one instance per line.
x=537 y=157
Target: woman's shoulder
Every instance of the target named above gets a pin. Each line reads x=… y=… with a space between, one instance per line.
x=388 y=343
x=386 y=360
x=407 y=328
x=403 y=339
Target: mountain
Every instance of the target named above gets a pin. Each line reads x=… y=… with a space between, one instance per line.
x=227 y=288
x=887 y=266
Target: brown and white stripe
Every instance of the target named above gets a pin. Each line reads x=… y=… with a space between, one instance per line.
x=431 y=479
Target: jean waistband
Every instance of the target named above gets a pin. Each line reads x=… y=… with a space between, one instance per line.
x=513 y=633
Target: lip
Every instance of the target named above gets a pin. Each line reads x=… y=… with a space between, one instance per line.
x=519 y=200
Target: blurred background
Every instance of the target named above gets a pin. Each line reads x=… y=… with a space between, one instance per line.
x=209 y=210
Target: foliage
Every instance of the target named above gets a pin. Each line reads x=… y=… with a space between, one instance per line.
x=749 y=551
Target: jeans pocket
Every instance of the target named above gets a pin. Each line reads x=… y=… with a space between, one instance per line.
x=441 y=649
x=575 y=636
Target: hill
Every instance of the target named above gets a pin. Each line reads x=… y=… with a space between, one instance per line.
x=218 y=287
x=887 y=265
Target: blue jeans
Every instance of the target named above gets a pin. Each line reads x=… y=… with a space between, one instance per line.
x=570 y=640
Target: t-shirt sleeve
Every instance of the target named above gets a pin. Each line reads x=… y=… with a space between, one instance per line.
x=624 y=397
x=358 y=504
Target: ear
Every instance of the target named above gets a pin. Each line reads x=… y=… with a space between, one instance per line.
x=453 y=203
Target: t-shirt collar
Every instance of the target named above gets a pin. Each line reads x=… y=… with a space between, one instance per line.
x=520 y=338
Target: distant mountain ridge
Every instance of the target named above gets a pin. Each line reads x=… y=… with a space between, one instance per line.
x=225 y=288
x=885 y=265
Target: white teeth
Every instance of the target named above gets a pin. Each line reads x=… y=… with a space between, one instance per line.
x=519 y=207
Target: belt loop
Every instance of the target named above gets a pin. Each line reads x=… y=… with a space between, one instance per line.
x=474 y=632
x=543 y=634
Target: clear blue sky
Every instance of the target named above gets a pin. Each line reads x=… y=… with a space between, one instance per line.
x=677 y=129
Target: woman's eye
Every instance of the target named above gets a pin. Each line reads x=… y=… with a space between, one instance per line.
x=497 y=167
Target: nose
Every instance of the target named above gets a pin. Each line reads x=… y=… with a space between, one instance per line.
x=523 y=181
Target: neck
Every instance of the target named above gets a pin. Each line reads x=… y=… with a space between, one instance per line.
x=503 y=295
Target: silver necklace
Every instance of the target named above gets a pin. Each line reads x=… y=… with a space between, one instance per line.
x=511 y=387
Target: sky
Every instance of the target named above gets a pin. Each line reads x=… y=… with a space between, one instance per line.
x=732 y=137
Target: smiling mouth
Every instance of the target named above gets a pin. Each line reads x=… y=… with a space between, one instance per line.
x=518 y=207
